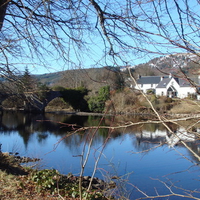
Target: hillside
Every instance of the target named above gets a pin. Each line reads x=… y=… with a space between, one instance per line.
x=50 y=78
x=95 y=78
x=174 y=64
x=92 y=79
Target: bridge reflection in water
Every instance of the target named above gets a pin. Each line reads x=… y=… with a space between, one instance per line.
x=137 y=153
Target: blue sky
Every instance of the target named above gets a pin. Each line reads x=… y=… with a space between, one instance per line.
x=93 y=52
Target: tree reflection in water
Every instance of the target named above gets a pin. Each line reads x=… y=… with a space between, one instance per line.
x=141 y=149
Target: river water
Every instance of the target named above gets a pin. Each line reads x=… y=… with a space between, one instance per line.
x=143 y=156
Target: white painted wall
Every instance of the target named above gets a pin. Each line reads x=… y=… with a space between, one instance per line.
x=145 y=87
x=161 y=92
x=184 y=91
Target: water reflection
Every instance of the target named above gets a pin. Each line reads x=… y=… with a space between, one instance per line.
x=146 y=135
x=41 y=132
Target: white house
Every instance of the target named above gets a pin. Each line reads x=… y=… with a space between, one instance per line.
x=165 y=86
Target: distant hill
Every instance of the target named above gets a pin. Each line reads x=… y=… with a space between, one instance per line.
x=50 y=78
x=187 y=62
x=94 y=78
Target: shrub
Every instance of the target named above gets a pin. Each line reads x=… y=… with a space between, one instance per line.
x=59 y=103
x=42 y=91
x=168 y=100
x=58 y=88
x=150 y=91
x=13 y=102
x=46 y=179
x=97 y=103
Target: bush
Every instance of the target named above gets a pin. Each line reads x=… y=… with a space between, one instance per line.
x=58 y=88
x=13 y=102
x=59 y=103
x=46 y=179
x=97 y=103
x=150 y=91
x=168 y=100
x=42 y=91
x=104 y=93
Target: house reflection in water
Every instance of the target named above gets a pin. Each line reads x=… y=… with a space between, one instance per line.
x=164 y=137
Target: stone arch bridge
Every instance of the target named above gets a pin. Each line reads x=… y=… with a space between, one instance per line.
x=32 y=100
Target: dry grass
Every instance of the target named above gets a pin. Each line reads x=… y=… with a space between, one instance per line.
x=129 y=101
x=58 y=104
x=8 y=185
x=25 y=184
x=123 y=102
x=186 y=106
x=20 y=187
x=15 y=182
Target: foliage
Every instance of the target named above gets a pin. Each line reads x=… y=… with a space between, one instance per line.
x=59 y=103
x=116 y=78
x=151 y=91
x=37 y=184
x=119 y=82
x=46 y=179
x=92 y=79
x=53 y=181
x=58 y=88
x=42 y=91
x=104 y=93
x=72 y=97
x=26 y=82
x=167 y=99
x=97 y=103
x=129 y=101
x=13 y=102
x=153 y=99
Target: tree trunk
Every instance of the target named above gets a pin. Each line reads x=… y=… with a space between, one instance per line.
x=3 y=6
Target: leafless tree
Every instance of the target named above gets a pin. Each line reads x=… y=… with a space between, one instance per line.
x=122 y=31
x=109 y=32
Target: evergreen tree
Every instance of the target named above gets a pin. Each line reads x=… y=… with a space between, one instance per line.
x=27 y=81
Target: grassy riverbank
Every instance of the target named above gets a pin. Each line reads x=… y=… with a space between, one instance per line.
x=17 y=182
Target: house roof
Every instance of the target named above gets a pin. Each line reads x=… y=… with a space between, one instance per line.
x=150 y=79
x=180 y=81
x=163 y=83
x=183 y=82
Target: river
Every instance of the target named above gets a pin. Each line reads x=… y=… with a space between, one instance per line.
x=144 y=157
